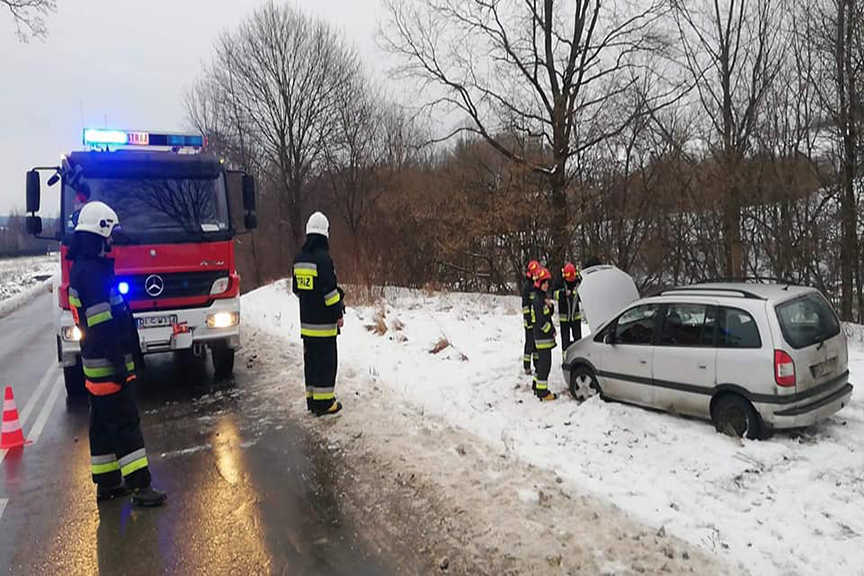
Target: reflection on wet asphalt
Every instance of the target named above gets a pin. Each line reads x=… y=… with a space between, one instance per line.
x=249 y=492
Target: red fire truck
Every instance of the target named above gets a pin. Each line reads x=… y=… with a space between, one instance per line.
x=174 y=252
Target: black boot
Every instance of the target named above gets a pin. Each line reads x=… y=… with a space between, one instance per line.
x=333 y=409
x=148 y=497
x=104 y=493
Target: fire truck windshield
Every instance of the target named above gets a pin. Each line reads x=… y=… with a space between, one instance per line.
x=155 y=210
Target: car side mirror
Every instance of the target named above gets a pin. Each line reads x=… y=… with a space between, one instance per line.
x=609 y=338
x=33 y=191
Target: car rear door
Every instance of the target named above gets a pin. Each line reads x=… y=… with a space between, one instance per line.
x=685 y=358
x=815 y=341
x=628 y=355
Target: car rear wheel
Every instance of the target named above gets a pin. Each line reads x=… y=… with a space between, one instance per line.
x=735 y=416
x=583 y=383
x=73 y=377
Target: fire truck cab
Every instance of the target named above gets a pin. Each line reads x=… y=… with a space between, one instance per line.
x=173 y=253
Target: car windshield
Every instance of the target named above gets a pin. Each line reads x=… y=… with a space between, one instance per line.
x=807 y=320
x=150 y=209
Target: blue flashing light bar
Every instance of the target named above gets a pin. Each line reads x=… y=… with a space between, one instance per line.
x=97 y=138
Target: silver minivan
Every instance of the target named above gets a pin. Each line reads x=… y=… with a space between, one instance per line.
x=749 y=357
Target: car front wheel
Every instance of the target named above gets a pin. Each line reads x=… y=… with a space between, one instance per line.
x=583 y=383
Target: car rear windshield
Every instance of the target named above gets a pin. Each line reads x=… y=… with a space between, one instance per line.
x=807 y=320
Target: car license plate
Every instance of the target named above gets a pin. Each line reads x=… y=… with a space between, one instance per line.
x=157 y=321
x=825 y=368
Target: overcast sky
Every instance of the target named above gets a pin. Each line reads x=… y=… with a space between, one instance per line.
x=122 y=64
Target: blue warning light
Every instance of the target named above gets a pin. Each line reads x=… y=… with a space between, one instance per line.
x=95 y=137
x=123 y=288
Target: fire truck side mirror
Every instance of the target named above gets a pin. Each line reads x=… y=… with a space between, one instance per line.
x=248 y=193
x=33 y=225
x=33 y=191
x=250 y=221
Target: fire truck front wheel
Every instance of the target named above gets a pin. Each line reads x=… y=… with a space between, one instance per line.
x=223 y=360
x=73 y=376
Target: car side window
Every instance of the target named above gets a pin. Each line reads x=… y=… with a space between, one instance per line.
x=684 y=324
x=637 y=325
x=736 y=329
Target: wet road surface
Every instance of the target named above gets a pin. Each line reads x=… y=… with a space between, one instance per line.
x=248 y=494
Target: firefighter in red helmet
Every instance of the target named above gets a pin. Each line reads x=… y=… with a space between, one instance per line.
x=527 y=299
x=544 y=334
x=569 y=316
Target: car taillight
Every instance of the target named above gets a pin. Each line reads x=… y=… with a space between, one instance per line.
x=784 y=369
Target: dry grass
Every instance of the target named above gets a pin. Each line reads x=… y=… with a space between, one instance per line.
x=379 y=322
x=441 y=344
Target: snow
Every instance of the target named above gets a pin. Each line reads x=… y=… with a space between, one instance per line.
x=21 y=279
x=789 y=505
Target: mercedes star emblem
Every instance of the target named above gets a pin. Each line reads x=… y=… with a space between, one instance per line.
x=154 y=285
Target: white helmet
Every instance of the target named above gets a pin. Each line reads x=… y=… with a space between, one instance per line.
x=318 y=224
x=98 y=218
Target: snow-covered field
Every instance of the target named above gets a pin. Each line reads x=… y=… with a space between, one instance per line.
x=789 y=505
x=21 y=278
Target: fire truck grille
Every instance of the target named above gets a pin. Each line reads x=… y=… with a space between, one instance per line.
x=175 y=285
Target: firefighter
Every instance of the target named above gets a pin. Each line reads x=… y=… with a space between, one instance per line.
x=321 y=310
x=544 y=334
x=567 y=298
x=118 y=459
x=527 y=300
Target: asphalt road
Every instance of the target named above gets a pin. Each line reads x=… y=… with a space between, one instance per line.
x=246 y=496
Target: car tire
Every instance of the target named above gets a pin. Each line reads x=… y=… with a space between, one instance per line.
x=734 y=415
x=73 y=377
x=223 y=361
x=583 y=383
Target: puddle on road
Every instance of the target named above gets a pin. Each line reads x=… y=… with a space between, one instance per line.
x=272 y=484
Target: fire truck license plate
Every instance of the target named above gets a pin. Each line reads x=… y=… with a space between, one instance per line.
x=157 y=321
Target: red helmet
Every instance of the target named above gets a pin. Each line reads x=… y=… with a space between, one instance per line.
x=570 y=272
x=533 y=266
x=541 y=275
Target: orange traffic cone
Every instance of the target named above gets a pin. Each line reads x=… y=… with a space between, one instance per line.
x=11 y=435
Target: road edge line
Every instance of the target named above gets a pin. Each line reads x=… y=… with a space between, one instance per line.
x=36 y=431
x=37 y=394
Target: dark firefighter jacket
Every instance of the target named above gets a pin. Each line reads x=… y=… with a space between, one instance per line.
x=544 y=329
x=314 y=283
x=568 y=302
x=527 y=302
x=109 y=336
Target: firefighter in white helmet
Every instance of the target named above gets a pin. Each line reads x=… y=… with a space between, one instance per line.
x=118 y=459
x=321 y=310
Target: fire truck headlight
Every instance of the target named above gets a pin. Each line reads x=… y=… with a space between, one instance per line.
x=71 y=333
x=223 y=319
x=123 y=288
x=220 y=286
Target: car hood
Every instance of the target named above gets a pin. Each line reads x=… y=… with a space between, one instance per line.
x=604 y=291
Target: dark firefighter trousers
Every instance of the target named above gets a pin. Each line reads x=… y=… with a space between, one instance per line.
x=116 y=443
x=570 y=332
x=529 y=352
x=320 y=361
x=542 y=367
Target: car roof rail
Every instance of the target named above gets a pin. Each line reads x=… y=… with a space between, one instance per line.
x=751 y=279
x=703 y=289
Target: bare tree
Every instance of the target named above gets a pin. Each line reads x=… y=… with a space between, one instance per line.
x=28 y=16
x=536 y=70
x=733 y=50
x=275 y=80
